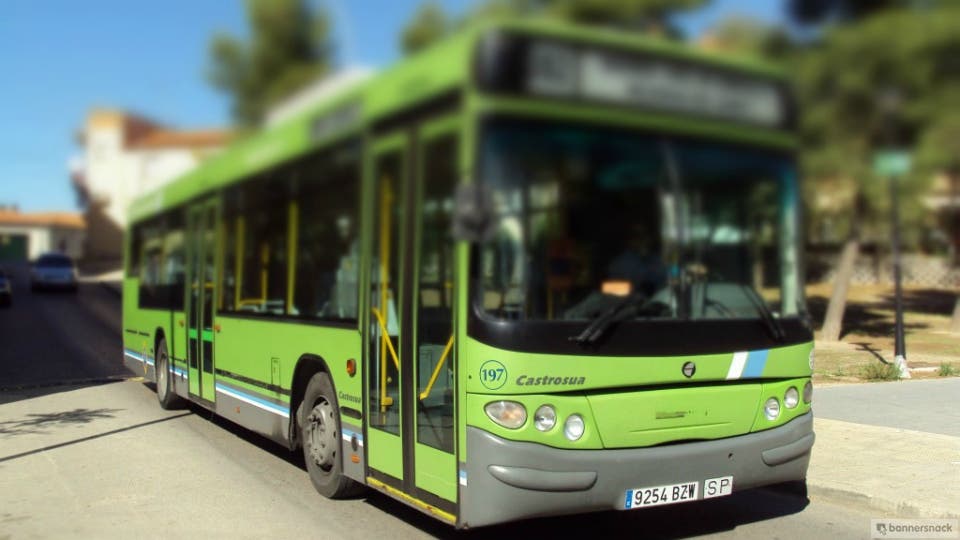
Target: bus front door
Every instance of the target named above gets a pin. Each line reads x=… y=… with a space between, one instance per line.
x=409 y=336
x=201 y=276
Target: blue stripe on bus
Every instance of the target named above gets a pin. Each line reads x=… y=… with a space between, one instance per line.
x=349 y=434
x=253 y=400
x=138 y=357
x=756 y=361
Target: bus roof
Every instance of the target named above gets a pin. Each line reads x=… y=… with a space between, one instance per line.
x=440 y=68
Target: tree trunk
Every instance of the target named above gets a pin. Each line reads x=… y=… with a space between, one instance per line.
x=833 y=321
x=955 y=320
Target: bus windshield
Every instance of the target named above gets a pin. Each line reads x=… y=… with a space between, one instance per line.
x=592 y=220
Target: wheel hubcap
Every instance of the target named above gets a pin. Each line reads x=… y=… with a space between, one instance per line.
x=322 y=435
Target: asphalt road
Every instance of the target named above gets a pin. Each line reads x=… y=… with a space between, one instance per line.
x=56 y=337
x=101 y=459
x=922 y=405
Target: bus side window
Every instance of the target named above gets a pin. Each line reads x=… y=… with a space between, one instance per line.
x=263 y=278
x=172 y=272
x=327 y=265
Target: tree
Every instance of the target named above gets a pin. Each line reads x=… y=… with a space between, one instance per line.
x=843 y=124
x=651 y=16
x=750 y=37
x=430 y=23
x=819 y=11
x=939 y=153
x=288 y=46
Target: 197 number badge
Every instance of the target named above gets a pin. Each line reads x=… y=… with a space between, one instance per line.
x=493 y=375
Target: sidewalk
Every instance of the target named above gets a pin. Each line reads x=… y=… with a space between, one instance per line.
x=897 y=472
x=112 y=280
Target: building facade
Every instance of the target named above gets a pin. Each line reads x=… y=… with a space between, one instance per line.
x=26 y=236
x=124 y=155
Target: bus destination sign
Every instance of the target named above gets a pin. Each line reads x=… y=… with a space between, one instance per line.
x=655 y=83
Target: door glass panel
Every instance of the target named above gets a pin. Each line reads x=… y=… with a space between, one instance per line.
x=434 y=345
x=384 y=372
x=209 y=276
x=195 y=285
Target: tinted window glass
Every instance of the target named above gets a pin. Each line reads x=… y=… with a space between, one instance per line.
x=593 y=220
x=327 y=264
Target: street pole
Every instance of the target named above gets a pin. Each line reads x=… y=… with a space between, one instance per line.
x=899 y=345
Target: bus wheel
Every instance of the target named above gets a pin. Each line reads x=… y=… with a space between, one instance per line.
x=320 y=433
x=165 y=395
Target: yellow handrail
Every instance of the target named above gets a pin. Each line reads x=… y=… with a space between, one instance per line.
x=264 y=267
x=238 y=263
x=386 y=201
x=436 y=370
x=385 y=337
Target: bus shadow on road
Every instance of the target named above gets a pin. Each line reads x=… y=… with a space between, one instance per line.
x=678 y=521
x=12 y=394
x=295 y=459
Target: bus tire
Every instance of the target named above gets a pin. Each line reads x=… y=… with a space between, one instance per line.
x=320 y=433
x=165 y=395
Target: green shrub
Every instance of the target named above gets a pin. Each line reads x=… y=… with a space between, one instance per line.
x=881 y=372
x=948 y=370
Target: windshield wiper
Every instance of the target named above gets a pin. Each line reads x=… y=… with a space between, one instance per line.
x=771 y=322
x=603 y=322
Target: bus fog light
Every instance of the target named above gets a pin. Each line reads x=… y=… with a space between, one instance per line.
x=808 y=392
x=791 y=397
x=573 y=427
x=545 y=418
x=771 y=408
x=508 y=414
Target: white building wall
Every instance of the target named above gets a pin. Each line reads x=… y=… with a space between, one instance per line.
x=158 y=167
x=43 y=239
x=119 y=176
x=109 y=171
x=71 y=240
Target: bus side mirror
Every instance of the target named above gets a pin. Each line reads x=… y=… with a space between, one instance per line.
x=473 y=215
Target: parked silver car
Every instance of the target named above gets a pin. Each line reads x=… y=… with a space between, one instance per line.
x=53 y=271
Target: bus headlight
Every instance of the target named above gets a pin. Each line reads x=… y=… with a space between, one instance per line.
x=508 y=414
x=545 y=418
x=771 y=409
x=573 y=427
x=791 y=397
x=808 y=392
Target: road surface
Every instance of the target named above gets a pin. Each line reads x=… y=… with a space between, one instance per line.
x=101 y=459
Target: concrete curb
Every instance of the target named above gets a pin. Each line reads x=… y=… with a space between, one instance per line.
x=899 y=509
x=892 y=471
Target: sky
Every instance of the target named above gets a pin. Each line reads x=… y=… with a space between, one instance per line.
x=60 y=58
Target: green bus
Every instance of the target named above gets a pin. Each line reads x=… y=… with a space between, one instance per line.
x=532 y=270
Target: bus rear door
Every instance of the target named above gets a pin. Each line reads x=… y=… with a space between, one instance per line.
x=201 y=276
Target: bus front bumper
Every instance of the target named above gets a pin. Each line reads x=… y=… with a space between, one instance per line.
x=508 y=480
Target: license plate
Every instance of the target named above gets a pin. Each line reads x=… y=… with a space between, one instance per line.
x=677 y=493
